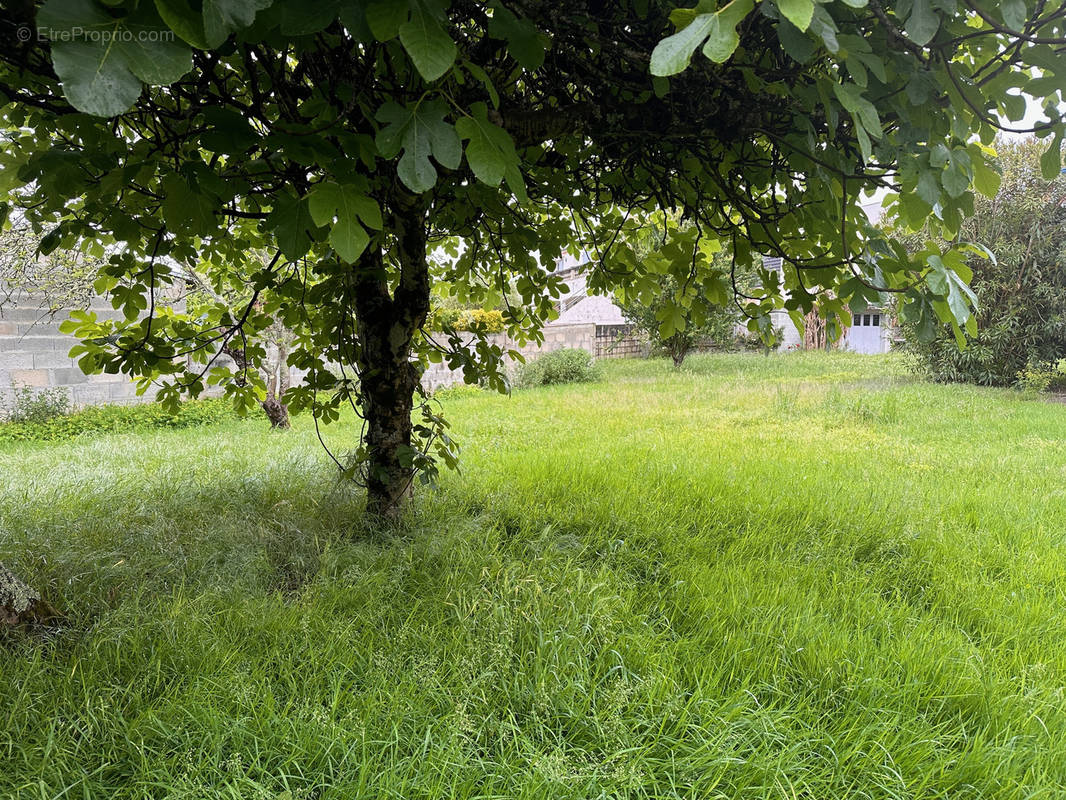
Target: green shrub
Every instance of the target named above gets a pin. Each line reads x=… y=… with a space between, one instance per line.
x=1021 y=316
x=109 y=419
x=476 y=320
x=29 y=405
x=561 y=366
x=1042 y=377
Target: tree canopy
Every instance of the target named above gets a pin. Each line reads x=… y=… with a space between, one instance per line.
x=350 y=138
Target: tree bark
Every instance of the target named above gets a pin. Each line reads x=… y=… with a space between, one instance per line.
x=815 y=335
x=386 y=325
x=277 y=381
x=21 y=604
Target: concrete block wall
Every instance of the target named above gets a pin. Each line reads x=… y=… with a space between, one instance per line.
x=34 y=353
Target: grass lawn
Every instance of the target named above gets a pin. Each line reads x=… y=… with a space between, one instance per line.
x=802 y=576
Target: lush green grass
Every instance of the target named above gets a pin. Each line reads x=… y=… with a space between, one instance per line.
x=50 y=427
x=804 y=576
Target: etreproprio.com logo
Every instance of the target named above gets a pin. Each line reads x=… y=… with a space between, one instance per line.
x=94 y=35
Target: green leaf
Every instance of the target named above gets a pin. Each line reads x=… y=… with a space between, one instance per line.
x=913 y=209
x=673 y=53
x=722 y=41
x=486 y=81
x=923 y=23
x=223 y=17
x=330 y=200
x=985 y=179
x=185 y=210
x=1014 y=13
x=1051 y=159
x=929 y=187
x=293 y=227
x=956 y=178
x=719 y=28
x=490 y=150
x=862 y=110
x=186 y=21
x=298 y=18
x=524 y=42
x=796 y=43
x=228 y=131
x=798 y=12
x=102 y=70
x=419 y=131
x=344 y=203
x=385 y=18
x=671 y=318
x=429 y=46
x=945 y=282
x=348 y=238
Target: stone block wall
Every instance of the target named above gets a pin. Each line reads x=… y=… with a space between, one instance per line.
x=33 y=353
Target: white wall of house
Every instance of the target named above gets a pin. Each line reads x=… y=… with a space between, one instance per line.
x=869 y=334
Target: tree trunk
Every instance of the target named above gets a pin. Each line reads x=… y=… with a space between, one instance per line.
x=386 y=325
x=277 y=381
x=815 y=334
x=678 y=347
x=20 y=604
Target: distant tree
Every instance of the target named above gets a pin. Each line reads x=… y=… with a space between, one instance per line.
x=62 y=280
x=272 y=367
x=349 y=139
x=676 y=311
x=1022 y=293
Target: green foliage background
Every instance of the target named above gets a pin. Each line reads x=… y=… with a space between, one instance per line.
x=1022 y=292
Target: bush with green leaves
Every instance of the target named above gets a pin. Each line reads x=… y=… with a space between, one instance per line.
x=29 y=405
x=1043 y=377
x=116 y=419
x=570 y=365
x=474 y=320
x=1021 y=294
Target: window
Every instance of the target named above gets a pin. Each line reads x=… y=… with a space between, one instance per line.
x=866 y=319
x=877 y=320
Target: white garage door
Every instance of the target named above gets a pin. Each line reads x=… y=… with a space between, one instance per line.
x=864 y=336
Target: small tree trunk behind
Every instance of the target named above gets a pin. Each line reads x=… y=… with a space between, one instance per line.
x=678 y=346
x=815 y=334
x=277 y=381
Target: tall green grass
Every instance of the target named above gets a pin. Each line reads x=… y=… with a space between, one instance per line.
x=760 y=577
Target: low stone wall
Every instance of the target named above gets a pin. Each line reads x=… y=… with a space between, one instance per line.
x=556 y=337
